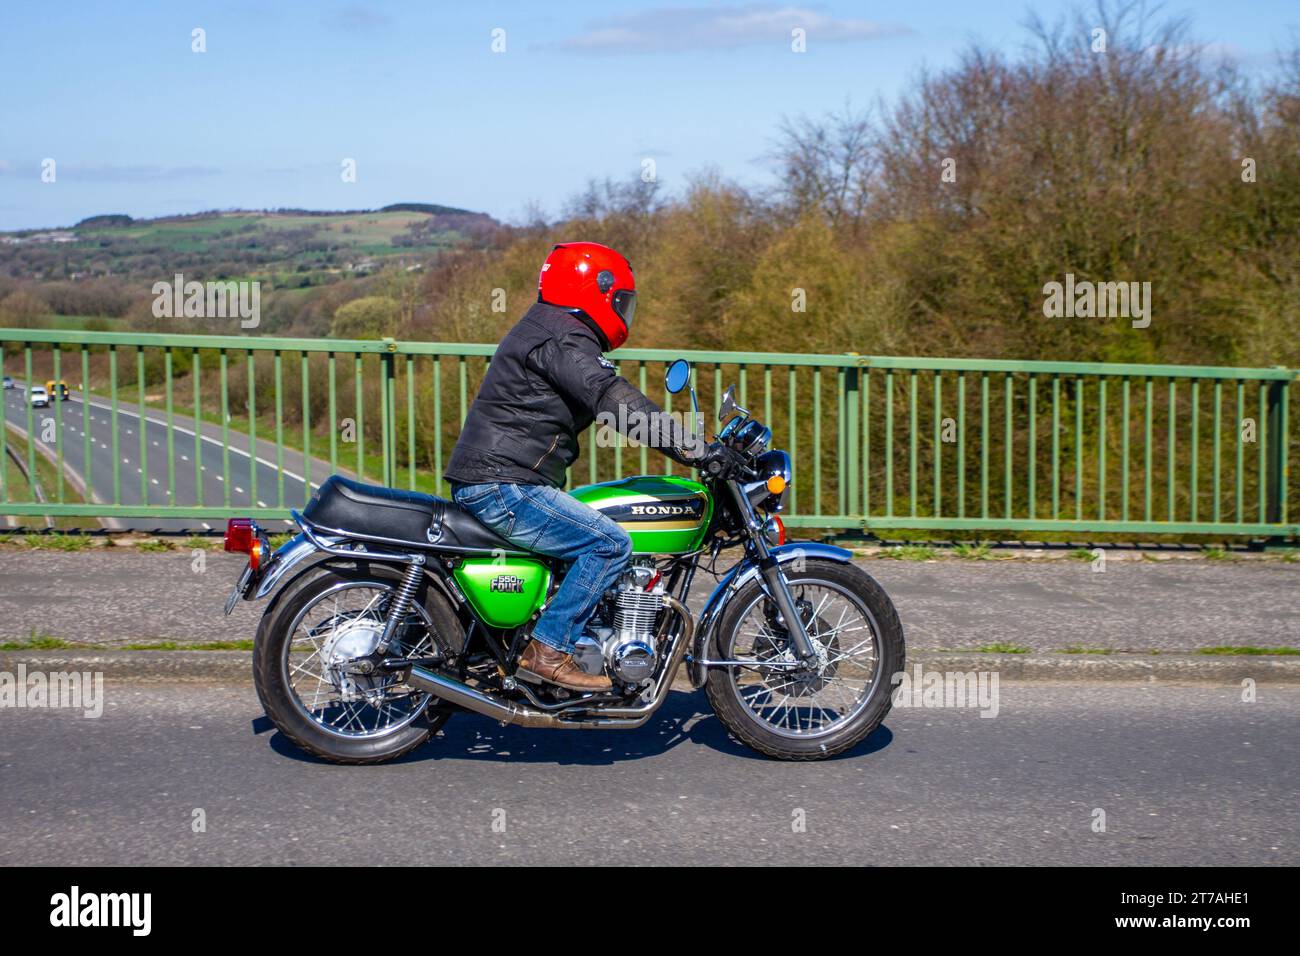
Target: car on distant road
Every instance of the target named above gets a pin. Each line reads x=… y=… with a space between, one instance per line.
x=39 y=397
x=58 y=389
x=9 y=381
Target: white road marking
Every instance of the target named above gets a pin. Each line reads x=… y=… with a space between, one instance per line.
x=214 y=441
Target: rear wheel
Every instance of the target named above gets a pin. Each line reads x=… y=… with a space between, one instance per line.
x=818 y=711
x=309 y=662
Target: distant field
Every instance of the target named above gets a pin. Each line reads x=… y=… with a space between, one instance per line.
x=357 y=229
x=239 y=244
x=168 y=230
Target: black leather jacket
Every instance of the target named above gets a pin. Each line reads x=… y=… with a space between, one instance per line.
x=546 y=384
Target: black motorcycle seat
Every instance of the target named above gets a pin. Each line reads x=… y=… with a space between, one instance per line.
x=374 y=512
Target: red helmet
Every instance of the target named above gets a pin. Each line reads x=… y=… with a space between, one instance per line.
x=593 y=279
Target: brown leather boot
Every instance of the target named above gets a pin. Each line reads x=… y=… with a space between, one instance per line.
x=541 y=662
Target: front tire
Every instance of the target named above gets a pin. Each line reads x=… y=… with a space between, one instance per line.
x=302 y=623
x=822 y=712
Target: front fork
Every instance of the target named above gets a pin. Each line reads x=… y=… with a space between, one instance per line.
x=777 y=586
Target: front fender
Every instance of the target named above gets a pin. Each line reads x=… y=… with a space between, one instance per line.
x=740 y=575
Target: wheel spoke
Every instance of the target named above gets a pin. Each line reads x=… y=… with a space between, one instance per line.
x=353 y=705
x=818 y=700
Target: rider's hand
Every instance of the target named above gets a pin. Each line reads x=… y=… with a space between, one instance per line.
x=721 y=461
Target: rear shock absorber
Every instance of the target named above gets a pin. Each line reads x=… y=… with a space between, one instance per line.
x=401 y=602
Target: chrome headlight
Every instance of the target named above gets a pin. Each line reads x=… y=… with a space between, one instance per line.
x=770 y=490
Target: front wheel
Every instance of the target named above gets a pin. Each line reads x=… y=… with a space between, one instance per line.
x=825 y=708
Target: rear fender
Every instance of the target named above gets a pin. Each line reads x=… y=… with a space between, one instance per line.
x=299 y=557
x=288 y=556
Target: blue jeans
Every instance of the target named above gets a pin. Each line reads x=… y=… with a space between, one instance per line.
x=545 y=520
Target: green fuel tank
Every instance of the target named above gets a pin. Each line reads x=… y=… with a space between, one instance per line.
x=663 y=514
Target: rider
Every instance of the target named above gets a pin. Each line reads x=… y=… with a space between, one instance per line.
x=546 y=383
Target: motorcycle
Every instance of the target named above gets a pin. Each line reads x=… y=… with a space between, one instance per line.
x=392 y=610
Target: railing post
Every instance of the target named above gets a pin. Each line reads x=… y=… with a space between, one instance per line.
x=853 y=452
x=388 y=435
x=1275 y=454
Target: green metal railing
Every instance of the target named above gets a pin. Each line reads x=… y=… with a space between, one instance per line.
x=879 y=443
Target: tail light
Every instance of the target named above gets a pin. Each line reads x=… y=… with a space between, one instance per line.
x=243 y=536
x=240 y=535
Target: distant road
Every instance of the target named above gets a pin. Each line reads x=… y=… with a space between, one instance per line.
x=215 y=486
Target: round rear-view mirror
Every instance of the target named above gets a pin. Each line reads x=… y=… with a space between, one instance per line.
x=677 y=376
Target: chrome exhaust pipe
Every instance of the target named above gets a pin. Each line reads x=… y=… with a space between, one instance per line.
x=508 y=712
x=462 y=695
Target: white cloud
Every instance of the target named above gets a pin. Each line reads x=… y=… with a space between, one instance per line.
x=355 y=18
x=110 y=172
x=675 y=29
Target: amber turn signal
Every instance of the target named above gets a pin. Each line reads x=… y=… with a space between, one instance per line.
x=776 y=484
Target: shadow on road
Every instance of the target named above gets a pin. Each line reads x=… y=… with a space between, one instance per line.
x=683 y=717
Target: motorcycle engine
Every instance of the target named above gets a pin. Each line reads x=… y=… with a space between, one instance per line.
x=621 y=635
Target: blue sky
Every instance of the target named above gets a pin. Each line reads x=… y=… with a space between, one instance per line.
x=138 y=123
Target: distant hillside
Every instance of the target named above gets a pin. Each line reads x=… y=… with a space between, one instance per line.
x=114 y=219
x=430 y=208
x=309 y=247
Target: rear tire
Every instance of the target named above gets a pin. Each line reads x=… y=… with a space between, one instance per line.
x=727 y=697
x=281 y=703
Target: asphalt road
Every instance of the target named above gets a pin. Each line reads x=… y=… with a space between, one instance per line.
x=1185 y=775
x=116 y=596
x=145 y=479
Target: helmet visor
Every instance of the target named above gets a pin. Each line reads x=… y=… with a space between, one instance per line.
x=624 y=305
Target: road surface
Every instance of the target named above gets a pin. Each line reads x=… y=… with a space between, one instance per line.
x=1184 y=775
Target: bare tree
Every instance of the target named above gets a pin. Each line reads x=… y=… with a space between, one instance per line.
x=825 y=166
